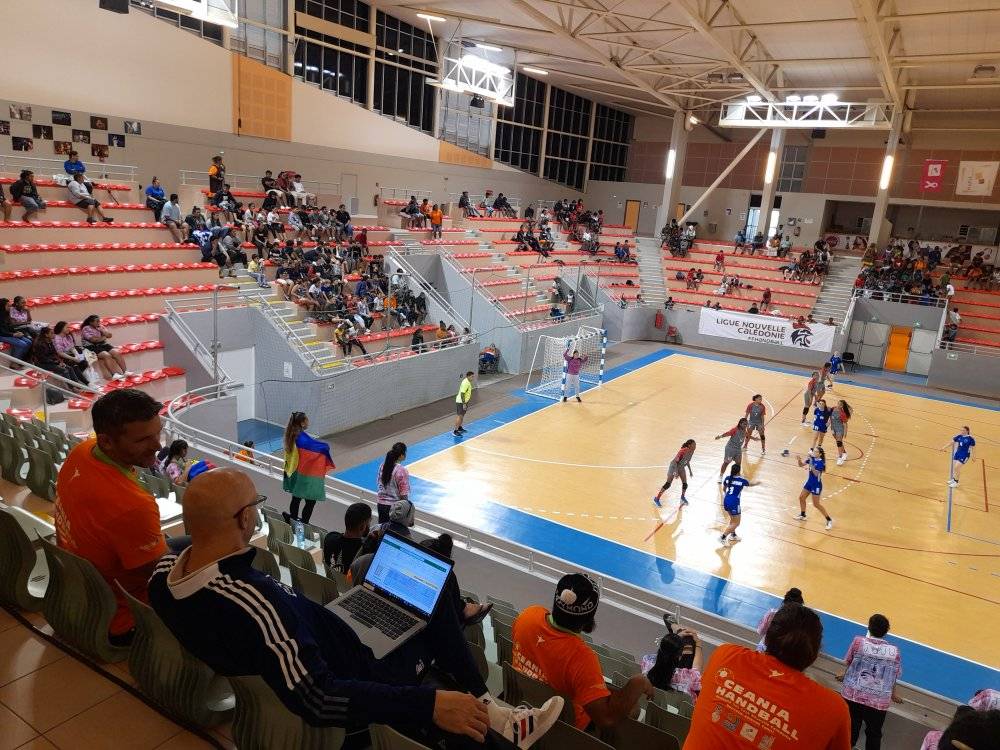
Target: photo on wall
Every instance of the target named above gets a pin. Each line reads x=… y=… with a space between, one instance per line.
x=62 y=147
x=98 y=122
x=20 y=112
x=22 y=144
x=81 y=136
x=42 y=132
x=116 y=140
x=133 y=127
x=99 y=150
x=61 y=118
x=4 y=127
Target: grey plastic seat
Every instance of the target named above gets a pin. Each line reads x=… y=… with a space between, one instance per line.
x=312 y=585
x=610 y=665
x=278 y=531
x=24 y=573
x=672 y=699
x=264 y=562
x=339 y=578
x=519 y=688
x=289 y=554
x=184 y=686
x=41 y=479
x=479 y=656
x=499 y=605
x=79 y=604
x=387 y=738
x=564 y=736
x=505 y=649
x=261 y=722
x=12 y=459
x=671 y=723
x=628 y=734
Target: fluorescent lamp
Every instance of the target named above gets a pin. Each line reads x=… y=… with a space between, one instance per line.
x=828 y=98
x=429 y=17
x=693 y=120
x=488 y=47
x=754 y=99
x=312 y=68
x=772 y=160
x=886 y=177
x=478 y=63
x=671 y=158
x=810 y=98
x=793 y=99
x=536 y=71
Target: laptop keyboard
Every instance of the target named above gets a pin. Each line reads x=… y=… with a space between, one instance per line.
x=376 y=613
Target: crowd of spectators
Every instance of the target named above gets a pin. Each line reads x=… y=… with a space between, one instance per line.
x=924 y=273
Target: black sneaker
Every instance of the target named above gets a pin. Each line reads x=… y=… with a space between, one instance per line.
x=564 y=399
x=108 y=219
x=456 y=433
x=579 y=400
x=462 y=429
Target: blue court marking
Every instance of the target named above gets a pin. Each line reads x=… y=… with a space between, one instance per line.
x=925 y=667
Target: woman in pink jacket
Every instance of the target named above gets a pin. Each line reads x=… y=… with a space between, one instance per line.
x=574 y=363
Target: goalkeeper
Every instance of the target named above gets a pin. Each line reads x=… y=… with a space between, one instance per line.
x=574 y=363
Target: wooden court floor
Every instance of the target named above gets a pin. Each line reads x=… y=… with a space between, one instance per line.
x=595 y=466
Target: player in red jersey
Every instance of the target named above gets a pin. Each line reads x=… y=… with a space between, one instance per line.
x=679 y=467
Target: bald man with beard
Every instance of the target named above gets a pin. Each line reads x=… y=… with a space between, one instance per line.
x=240 y=621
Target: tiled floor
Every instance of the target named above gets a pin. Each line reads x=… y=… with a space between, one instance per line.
x=49 y=700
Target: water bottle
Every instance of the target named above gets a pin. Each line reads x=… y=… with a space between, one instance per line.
x=299 y=529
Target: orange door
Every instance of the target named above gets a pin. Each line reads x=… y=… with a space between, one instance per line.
x=898 y=350
x=632 y=215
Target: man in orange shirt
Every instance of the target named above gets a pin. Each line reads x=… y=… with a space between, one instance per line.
x=102 y=512
x=548 y=648
x=763 y=701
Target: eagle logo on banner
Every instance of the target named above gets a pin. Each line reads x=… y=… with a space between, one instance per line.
x=801 y=334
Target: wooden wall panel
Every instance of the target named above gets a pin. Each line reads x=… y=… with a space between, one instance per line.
x=449 y=153
x=262 y=100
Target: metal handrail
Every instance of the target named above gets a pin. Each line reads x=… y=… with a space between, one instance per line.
x=259 y=297
x=202 y=353
x=959 y=346
x=427 y=287
x=199 y=178
x=403 y=192
x=50 y=380
x=15 y=163
x=902 y=297
x=515 y=202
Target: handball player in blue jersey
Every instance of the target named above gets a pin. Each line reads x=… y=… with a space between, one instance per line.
x=813 y=486
x=962 y=453
x=821 y=423
x=732 y=488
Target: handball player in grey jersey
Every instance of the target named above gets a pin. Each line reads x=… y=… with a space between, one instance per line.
x=756 y=413
x=815 y=390
x=679 y=467
x=838 y=424
x=734 y=448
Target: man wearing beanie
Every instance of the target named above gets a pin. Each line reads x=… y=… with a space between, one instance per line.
x=548 y=648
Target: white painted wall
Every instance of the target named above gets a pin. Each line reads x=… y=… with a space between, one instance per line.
x=71 y=55
x=239 y=363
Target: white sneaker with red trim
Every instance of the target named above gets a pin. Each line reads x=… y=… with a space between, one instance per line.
x=525 y=726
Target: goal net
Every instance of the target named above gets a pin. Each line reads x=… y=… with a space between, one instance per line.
x=547 y=377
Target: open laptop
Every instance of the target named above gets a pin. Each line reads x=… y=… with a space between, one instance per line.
x=398 y=595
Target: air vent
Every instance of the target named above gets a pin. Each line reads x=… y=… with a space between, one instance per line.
x=981 y=72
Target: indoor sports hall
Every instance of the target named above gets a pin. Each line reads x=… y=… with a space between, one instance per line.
x=570 y=374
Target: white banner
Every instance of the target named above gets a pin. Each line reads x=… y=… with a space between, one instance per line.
x=976 y=177
x=763 y=329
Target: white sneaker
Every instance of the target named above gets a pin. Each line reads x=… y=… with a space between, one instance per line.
x=129 y=374
x=840 y=460
x=799 y=516
x=953 y=483
x=829 y=524
x=812 y=451
x=117 y=376
x=805 y=424
x=525 y=726
x=720 y=479
x=734 y=538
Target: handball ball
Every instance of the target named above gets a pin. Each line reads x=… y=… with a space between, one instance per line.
x=784 y=452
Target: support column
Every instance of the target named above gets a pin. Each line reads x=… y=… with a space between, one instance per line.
x=438 y=116
x=672 y=170
x=878 y=234
x=590 y=145
x=771 y=172
x=545 y=132
x=372 y=18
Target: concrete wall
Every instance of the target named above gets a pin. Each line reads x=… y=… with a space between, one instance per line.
x=215 y=416
x=978 y=374
x=897 y=314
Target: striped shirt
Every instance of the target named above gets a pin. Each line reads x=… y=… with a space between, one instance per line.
x=240 y=621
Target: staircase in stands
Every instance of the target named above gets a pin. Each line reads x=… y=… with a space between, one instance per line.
x=835 y=294
x=654 y=290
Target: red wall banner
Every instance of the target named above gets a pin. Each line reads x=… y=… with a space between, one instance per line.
x=933 y=175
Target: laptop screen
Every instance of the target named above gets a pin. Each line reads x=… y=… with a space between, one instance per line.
x=409 y=574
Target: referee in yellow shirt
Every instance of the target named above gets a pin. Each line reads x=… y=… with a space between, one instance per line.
x=462 y=403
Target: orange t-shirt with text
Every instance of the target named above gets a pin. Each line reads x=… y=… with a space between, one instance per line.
x=560 y=659
x=105 y=516
x=437 y=216
x=751 y=701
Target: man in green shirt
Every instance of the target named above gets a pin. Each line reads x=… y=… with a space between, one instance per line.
x=462 y=403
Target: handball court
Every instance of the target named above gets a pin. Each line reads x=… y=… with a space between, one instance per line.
x=594 y=467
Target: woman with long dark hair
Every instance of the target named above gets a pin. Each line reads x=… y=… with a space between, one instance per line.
x=174 y=462
x=69 y=352
x=307 y=461
x=678 y=663
x=838 y=423
x=393 y=480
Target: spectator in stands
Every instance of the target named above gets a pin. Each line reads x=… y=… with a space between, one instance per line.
x=425 y=212
x=873 y=668
x=402 y=517
x=393 y=480
x=173 y=465
x=73 y=167
x=548 y=648
x=986 y=699
x=468 y=611
x=16 y=338
x=270 y=186
x=5 y=206
x=68 y=351
x=339 y=550
x=932 y=739
x=347 y=337
x=20 y=315
x=216 y=176
x=465 y=203
x=812 y=715
x=95 y=336
x=792 y=596
x=437 y=221
x=411 y=214
x=298 y=192
x=342 y=222
x=441 y=334
x=974 y=730
x=307 y=461
x=275 y=225
x=226 y=203
x=677 y=662
x=155 y=198
x=195 y=220
x=170 y=217
x=102 y=512
x=417 y=340
x=312 y=661
x=80 y=197
x=43 y=354
x=25 y=191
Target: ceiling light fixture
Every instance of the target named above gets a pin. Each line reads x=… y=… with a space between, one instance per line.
x=429 y=17
x=886 y=177
x=536 y=71
x=693 y=120
x=793 y=99
x=829 y=98
x=754 y=99
x=488 y=47
x=810 y=98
